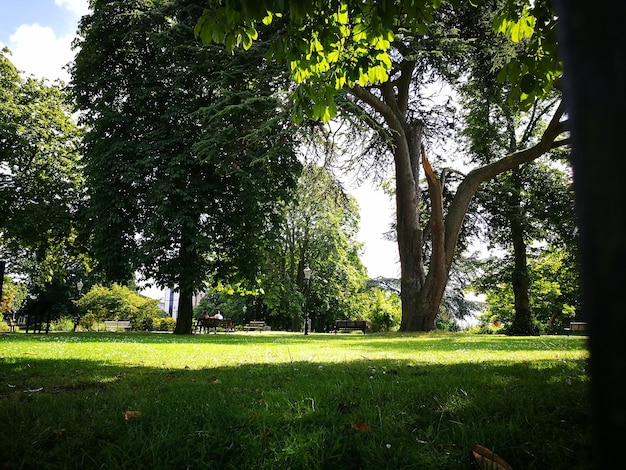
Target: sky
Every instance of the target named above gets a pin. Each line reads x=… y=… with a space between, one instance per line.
x=39 y=34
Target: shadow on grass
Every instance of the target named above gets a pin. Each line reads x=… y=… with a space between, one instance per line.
x=370 y=414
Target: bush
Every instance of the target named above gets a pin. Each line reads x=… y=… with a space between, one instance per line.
x=524 y=328
x=87 y=321
x=147 y=323
x=62 y=324
x=384 y=311
x=165 y=324
x=119 y=302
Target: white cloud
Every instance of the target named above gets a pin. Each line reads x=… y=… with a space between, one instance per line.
x=36 y=50
x=78 y=7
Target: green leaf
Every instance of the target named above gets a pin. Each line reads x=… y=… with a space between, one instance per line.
x=267 y=20
x=527 y=83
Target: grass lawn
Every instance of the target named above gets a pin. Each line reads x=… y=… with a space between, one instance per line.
x=287 y=401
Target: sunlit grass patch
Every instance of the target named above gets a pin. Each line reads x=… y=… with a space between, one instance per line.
x=276 y=400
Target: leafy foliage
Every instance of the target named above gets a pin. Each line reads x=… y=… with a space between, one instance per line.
x=331 y=44
x=382 y=309
x=189 y=151
x=319 y=231
x=41 y=181
x=118 y=303
x=13 y=295
x=554 y=291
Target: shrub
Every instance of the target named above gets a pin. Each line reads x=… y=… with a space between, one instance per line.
x=62 y=324
x=147 y=323
x=87 y=321
x=118 y=303
x=384 y=310
x=165 y=324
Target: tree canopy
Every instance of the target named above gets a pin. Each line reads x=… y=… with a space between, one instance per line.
x=189 y=151
x=319 y=231
x=411 y=42
x=331 y=44
x=42 y=190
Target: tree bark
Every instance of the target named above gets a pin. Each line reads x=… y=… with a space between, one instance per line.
x=409 y=231
x=520 y=280
x=445 y=232
x=421 y=294
x=186 y=260
x=184 y=322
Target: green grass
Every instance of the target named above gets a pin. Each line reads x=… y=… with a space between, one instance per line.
x=278 y=401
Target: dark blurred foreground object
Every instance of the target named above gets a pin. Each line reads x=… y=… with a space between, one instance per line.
x=593 y=50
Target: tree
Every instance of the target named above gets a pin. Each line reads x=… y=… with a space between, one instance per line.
x=330 y=44
x=119 y=303
x=530 y=203
x=531 y=206
x=592 y=51
x=189 y=151
x=41 y=183
x=13 y=296
x=384 y=88
x=554 y=288
x=319 y=231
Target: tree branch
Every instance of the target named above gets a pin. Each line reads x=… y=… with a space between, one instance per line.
x=436 y=221
x=468 y=187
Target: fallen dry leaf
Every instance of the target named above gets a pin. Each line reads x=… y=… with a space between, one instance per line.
x=132 y=415
x=360 y=427
x=486 y=459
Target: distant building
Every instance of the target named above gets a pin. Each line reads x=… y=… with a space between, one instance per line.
x=168 y=302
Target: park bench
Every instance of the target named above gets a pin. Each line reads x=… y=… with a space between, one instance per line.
x=576 y=326
x=350 y=325
x=116 y=325
x=207 y=323
x=254 y=325
x=10 y=321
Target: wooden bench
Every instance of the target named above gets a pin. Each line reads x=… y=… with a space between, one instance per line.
x=207 y=323
x=254 y=325
x=350 y=325
x=10 y=321
x=116 y=325
x=576 y=326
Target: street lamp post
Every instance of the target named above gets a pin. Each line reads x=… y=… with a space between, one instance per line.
x=79 y=286
x=307 y=276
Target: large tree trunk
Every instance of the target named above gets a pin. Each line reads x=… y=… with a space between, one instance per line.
x=186 y=259
x=409 y=232
x=184 y=322
x=421 y=295
x=520 y=281
x=428 y=299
